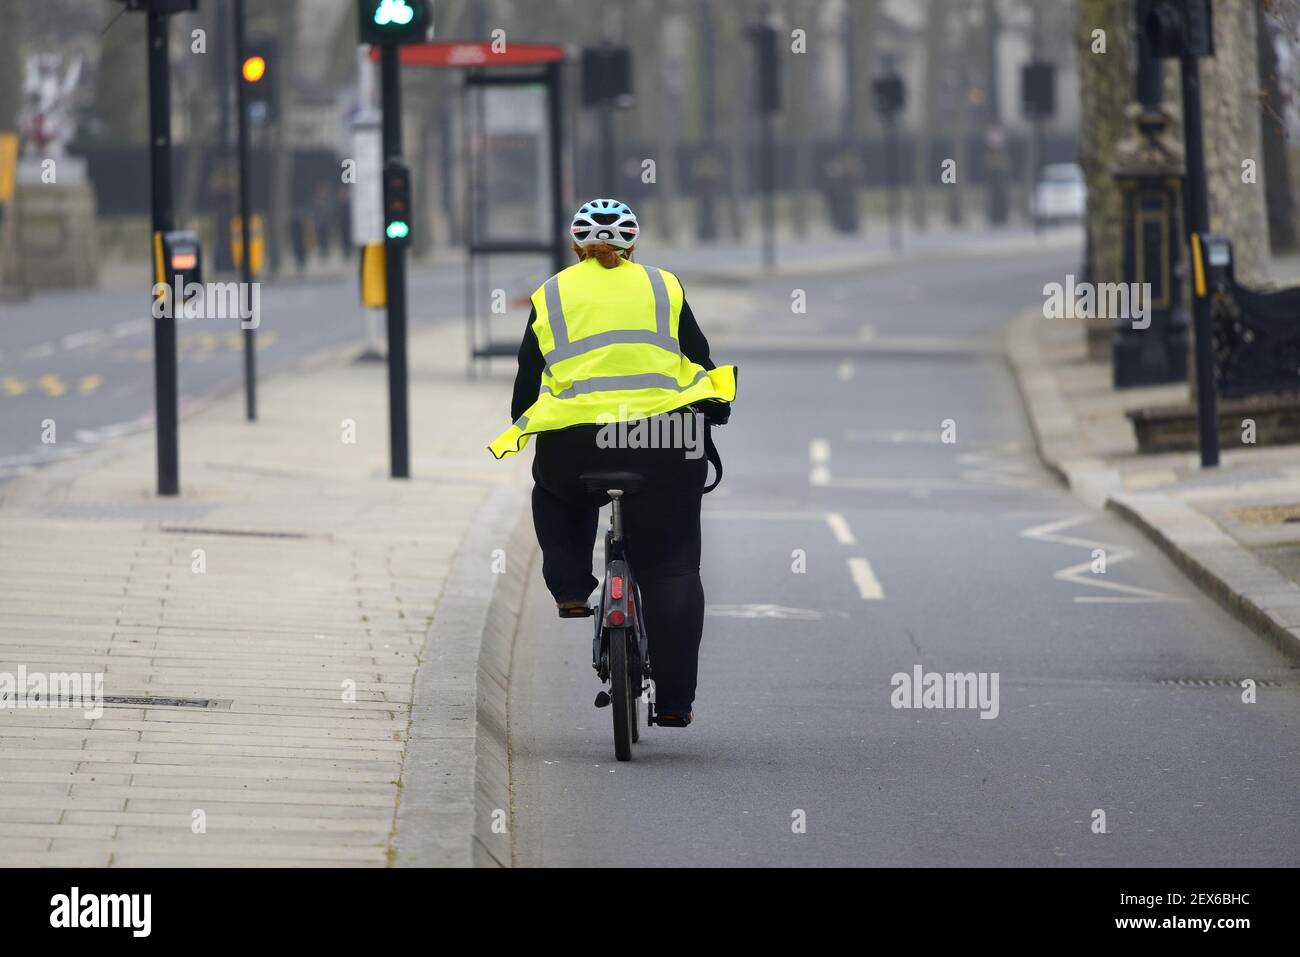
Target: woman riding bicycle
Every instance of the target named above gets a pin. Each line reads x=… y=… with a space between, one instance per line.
x=613 y=351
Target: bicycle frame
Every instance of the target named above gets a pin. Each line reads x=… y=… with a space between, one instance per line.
x=620 y=596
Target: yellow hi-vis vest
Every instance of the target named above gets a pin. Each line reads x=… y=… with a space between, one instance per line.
x=609 y=339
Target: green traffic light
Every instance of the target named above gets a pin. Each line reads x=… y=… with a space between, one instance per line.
x=398 y=230
x=394 y=12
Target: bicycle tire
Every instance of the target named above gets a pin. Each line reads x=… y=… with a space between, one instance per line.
x=620 y=692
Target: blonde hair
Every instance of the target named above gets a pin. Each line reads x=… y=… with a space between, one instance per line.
x=605 y=254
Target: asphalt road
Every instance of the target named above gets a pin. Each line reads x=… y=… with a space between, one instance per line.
x=84 y=359
x=1113 y=690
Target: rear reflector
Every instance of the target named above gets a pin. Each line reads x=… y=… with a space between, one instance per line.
x=616 y=618
x=616 y=587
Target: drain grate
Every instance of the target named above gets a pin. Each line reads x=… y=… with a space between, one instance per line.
x=1219 y=683
x=127 y=701
x=148 y=701
x=234 y=532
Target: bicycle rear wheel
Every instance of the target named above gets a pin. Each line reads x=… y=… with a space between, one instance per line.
x=622 y=691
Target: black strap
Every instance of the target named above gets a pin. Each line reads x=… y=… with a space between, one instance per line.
x=711 y=451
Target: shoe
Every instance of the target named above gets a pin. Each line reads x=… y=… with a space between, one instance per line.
x=673 y=719
x=574 y=609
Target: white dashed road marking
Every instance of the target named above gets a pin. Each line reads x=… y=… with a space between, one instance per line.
x=840 y=529
x=868 y=585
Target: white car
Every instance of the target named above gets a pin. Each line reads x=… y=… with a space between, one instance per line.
x=1061 y=195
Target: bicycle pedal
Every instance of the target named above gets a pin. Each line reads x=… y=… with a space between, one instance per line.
x=586 y=611
x=602 y=699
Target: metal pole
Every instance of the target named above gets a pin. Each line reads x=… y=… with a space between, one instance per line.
x=769 y=191
x=395 y=274
x=608 y=161
x=160 y=208
x=1198 y=223
x=245 y=216
x=559 y=204
x=895 y=210
x=1035 y=163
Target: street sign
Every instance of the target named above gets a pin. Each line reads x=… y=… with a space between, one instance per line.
x=393 y=22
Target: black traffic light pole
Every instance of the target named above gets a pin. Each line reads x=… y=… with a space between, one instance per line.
x=245 y=227
x=1198 y=224
x=395 y=272
x=767 y=101
x=893 y=174
x=160 y=211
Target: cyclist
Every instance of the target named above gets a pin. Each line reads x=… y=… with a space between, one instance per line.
x=612 y=351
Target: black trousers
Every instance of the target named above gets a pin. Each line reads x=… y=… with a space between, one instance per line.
x=662 y=530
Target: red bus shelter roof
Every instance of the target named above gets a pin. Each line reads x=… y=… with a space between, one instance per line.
x=474 y=54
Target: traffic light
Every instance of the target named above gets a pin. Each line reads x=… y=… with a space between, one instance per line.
x=890 y=94
x=392 y=22
x=397 y=203
x=161 y=6
x=606 y=76
x=260 y=77
x=767 y=69
x=1038 y=89
x=1177 y=28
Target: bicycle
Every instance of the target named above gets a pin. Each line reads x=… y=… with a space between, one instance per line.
x=620 y=648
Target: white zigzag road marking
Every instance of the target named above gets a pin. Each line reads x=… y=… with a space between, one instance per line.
x=1082 y=573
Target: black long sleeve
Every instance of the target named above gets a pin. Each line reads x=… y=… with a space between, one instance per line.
x=528 y=380
x=694 y=346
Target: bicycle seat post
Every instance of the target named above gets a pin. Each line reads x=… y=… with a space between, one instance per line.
x=616 y=512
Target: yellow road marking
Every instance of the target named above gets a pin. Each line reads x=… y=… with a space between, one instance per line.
x=52 y=385
x=13 y=386
x=91 y=382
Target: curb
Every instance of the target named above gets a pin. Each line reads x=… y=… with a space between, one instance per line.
x=1217 y=563
x=456 y=766
x=1253 y=591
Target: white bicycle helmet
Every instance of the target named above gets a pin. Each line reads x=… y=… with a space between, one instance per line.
x=605 y=221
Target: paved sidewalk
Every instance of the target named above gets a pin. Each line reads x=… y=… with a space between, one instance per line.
x=1235 y=529
x=283 y=602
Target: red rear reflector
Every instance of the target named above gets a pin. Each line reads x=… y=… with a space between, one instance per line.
x=616 y=587
x=616 y=617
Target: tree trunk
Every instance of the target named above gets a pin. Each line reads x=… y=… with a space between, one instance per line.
x=1106 y=87
x=1229 y=85
x=1276 y=169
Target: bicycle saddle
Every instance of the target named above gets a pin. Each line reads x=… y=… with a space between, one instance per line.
x=629 y=482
